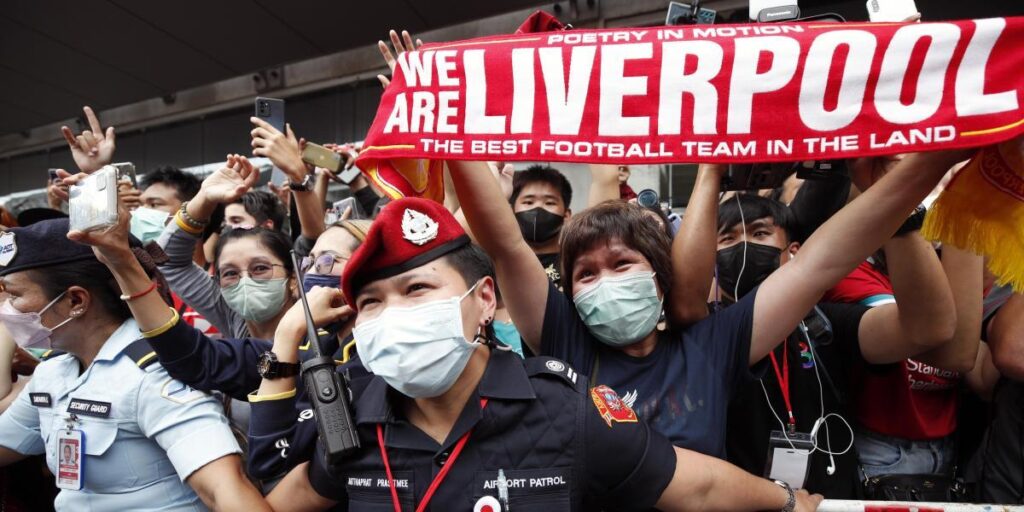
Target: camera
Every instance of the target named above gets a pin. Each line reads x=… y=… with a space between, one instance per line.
x=647 y=198
x=689 y=14
x=262 y=108
x=765 y=11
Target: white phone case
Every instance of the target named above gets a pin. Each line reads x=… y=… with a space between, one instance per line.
x=891 y=10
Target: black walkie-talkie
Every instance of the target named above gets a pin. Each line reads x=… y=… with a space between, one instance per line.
x=329 y=393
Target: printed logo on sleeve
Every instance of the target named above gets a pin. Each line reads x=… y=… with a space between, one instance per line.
x=89 y=408
x=41 y=399
x=611 y=407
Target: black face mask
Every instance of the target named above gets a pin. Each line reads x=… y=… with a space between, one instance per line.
x=762 y=260
x=539 y=225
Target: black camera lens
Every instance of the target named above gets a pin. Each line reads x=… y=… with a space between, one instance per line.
x=647 y=198
x=264 y=109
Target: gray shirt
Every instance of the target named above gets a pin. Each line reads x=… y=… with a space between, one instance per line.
x=194 y=285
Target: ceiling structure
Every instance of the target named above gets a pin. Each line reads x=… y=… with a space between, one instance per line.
x=56 y=56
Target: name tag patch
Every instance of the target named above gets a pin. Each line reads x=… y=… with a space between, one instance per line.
x=89 y=408
x=524 y=481
x=378 y=482
x=41 y=399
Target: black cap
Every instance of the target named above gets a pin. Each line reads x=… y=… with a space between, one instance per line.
x=34 y=215
x=42 y=244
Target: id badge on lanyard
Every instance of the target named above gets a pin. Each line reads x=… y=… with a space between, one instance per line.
x=70 y=460
x=789 y=457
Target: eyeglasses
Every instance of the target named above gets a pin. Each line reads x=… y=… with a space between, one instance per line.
x=257 y=271
x=323 y=264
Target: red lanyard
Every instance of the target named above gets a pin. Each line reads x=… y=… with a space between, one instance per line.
x=783 y=377
x=440 y=474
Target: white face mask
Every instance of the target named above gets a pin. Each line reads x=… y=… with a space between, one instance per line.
x=419 y=351
x=27 y=328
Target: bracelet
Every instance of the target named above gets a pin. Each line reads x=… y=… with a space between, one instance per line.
x=790 y=505
x=196 y=224
x=165 y=327
x=127 y=297
x=185 y=226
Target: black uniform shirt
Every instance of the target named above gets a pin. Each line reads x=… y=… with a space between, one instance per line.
x=541 y=427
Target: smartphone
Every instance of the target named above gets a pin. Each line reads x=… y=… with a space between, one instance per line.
x=52 y=172
x=349 y=202
x=92 y=202
x=331 y=215
x=271 y=110
x=315 y=154
x=891 y=10
x=126 y=173
x=349 y=175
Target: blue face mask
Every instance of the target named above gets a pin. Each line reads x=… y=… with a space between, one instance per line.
x=507 y=333
x=326 y=281
x=620 y=311
x=147 y=224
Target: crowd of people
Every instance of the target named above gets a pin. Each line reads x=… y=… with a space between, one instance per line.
x=502 y=350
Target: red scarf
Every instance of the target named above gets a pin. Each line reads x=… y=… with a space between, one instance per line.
x=721 y=93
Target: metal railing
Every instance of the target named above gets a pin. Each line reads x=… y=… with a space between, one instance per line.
x=894 y=506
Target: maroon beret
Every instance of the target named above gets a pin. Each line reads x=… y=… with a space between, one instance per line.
x=407 y=233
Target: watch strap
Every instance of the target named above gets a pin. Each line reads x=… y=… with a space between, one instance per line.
x=287 y=369
x=913 y=222
x=305 y=186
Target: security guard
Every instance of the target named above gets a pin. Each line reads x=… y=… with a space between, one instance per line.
x=452 y=424
x=117 y=431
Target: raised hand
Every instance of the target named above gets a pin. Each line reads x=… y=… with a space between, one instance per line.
x=56 y=190
x=326 y=305
x=131 y=196
x=93 y=148
x=349 y=151
x=231 y=181
x=401 y=45
x=282 y=149
x=865 y=171
x=503 y=173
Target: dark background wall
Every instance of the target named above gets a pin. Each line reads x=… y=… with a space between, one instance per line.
x=338 y=114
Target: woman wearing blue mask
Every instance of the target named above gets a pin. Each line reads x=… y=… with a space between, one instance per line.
x=253 y=281
x=617 y=274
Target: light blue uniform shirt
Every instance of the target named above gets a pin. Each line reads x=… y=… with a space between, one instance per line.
x=157 y=432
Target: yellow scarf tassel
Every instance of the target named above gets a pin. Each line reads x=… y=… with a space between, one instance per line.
x=982 y=210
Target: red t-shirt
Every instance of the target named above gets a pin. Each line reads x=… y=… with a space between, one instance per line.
x=912 y=400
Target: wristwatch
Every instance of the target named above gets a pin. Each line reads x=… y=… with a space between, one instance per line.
x=913 y=222
x=270 y=368
x=791 y=501
x=305 y=186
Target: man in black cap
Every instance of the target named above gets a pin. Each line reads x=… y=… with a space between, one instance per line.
x=453 y=423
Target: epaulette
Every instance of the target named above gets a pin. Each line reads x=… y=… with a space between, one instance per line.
x=549 y=366
x=50 y=354
x=142 y=353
